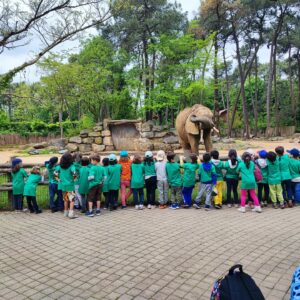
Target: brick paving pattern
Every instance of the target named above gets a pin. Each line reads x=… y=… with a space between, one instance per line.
x=157 y=254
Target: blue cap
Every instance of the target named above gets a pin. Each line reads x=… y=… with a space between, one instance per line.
x=294 y=152
x=112 y=157
x=16 y=161
x=124 y=153
x=263 y=153
x=148 y=154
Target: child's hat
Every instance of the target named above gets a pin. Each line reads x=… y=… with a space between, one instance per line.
x=16 y=161
x=295 y=152
x=160 y=155
x=263 y=153
x=148 y=154
x=124 y=153
x=112 y=157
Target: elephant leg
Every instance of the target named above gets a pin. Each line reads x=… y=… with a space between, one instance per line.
x=207 y=140
x=194 y=142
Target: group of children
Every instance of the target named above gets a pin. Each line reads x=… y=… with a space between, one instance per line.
x=79 y=182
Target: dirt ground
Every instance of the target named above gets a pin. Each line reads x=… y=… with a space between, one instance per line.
x=241 y=146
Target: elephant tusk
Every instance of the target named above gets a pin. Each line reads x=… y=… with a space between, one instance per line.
x=216 y=130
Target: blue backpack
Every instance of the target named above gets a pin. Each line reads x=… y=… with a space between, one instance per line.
x=295 y=286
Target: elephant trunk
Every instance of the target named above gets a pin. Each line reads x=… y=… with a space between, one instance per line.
x=206 y=123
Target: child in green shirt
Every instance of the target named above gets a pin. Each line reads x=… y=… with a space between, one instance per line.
x=114 y=181
x=294 y=166
x=189 y=180
x=18 y=175
x=218 y=199
x=274 y=179
x=105 y=190
x=95 y=178
x=263 y=184
x=30 y=190
x=77 y=157
x=137 y=182
x=175 y=181
x=208 y=178
x=83 y=182
x=66 y=174
x=150 y=178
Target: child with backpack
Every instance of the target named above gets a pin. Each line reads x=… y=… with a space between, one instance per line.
x=174 y=180
x=105 y=190
x=77 y=163
x=189 y=180
x=285 y=173
x=55 y=205
x=220 y=180
x=263 y=185
x=83 y=182
x=125 y=162
x=232 y=177
x=162 y=180
x=150 y=178
x=18 y=175
x=30 y=190
x=137 y=182
x=274 y=179
x=294 y=166
x=114 y=181
x=246 y=169
x=208 y=179
x=96 y=176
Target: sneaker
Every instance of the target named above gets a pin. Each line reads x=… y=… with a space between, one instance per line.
x=149 y=206
x=39 y=211
x=207 y=207
x=66 y=213
x=153 y=206
x=197 y=205
x=229 y=205
x=105 y=207
x=282 y=206
x=136 y=207
x=217 y=206
x=290 y=203
x=161 y=206
x=165 y=206
x=236 y=205
x=72 y=215
x=242 y=209
x=275 y=205
x=53 y=210
x=257 y=209
x=141 y=206
x=173 y=206
x=185 y=206
x=98 y=211
x=123 y=206
x=89 y=214
x=177 y=206
x=83 y=211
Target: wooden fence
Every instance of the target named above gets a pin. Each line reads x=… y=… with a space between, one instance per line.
x=16 y=139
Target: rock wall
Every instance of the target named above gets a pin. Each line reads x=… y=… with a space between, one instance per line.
x=100 y=138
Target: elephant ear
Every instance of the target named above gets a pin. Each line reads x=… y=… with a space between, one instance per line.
x=191 y=127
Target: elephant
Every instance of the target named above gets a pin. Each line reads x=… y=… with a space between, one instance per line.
x=189 y=124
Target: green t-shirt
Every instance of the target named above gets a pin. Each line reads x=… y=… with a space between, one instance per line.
x=105 y=183
x=67 y=179
x=206 y=175
x=274 y=176
x=262 y=165
x=231 y=171
x=173 y=174
x=219 y=167
x=31 y=184
x=137 y=176
x=294 y=165
x=18 y=181
x=247 y=175
x=114 y=177
x=149 y=169
x=284 y=162
x=189 y=175
x=51 y=177
x=83 y=180
x=98 y=173
x=77 y=168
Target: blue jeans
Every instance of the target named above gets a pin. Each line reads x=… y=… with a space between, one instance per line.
x=138 y=196
x=187 y=195
x=18 y=202
x=287 y=189
x=58 y=203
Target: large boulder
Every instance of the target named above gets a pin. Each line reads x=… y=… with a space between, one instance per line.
x=160 y=134
x=106 y=133
x=157 y=128
x=109 y=148
x=75 y=139
x=58 y=143
x=98 y=140
x=147 y=134
x=94 y=134
x=72 y=147
x=107 y=141
x=171 y=139
x=147 y=126
x=88 y=140
x=143 y=144
x=41 y=145
x=84 y=133
x=98 y=148
x=98 y=128
x=85 y=148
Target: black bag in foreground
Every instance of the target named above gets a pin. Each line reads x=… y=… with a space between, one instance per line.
x=236 y=285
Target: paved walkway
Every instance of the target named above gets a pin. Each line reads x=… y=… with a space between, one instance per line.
x=158 y=254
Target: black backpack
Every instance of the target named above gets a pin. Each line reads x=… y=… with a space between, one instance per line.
x=236 y=285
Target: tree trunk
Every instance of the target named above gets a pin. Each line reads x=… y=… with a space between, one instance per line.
x=60 y=119
x=298 y=100
x=227 y=91
x=292 y=96
x=216 y=84
x=256 y=97
x=147 y=79
x=277 y=104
